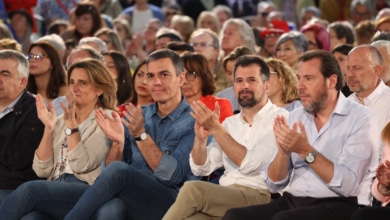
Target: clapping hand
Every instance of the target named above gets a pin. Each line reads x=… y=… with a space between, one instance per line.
x=47 y=116
x=112 y=128
x=383 y=173
x=133 y=119
x=203 y=116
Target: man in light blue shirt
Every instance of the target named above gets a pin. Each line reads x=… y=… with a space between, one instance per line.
x=325 y=149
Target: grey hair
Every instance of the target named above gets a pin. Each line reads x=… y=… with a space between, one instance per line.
x=210 y=33
x=368 y=3
x=56 y=41
x=22 y=67
x=382 y=43
x=94 y=54
x=101 y=44
x=223 y=8
x=245 y=31
x=299 y=39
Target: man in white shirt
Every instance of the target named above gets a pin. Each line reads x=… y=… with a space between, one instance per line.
x=243 y=144
x=364 y=65
x=324 y=149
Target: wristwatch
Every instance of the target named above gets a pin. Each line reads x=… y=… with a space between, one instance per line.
x=142 y=137
x=383 y=190
x=310 y=157
x=69 y=131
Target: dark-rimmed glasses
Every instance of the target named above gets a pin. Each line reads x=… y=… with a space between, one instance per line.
x=37 y=57
x=190 y=76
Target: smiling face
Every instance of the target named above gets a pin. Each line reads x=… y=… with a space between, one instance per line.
x=162 y=82
x=39 y=66
x=80 y=83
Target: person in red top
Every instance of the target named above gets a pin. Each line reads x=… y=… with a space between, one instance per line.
x=199 y=84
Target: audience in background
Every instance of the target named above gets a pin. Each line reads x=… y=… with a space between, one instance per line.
x=47 y=75
x=199 y=85
x=317 y=36
x=283 y=85
x=290 y=46
x=341 y=52
x=111 y=38
x=119 y=68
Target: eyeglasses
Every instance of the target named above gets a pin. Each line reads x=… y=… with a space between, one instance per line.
x=273 y=72
x=190 y=76
x=201 y=44
x=37 y=57
x=264 y=14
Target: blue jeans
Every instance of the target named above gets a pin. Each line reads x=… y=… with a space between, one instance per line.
x=144 y=196
x=4 y=193
x=51 y=198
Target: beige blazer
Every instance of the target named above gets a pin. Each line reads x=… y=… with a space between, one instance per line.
x=85 y=159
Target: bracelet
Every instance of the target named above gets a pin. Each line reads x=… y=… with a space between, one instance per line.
x=383 y=190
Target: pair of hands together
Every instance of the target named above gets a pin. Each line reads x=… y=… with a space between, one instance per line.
x=290 y=140
x=48 y=115
x=113 y=128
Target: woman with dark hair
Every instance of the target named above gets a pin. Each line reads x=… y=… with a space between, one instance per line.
x=199 y=84
x=140 y=95
x=341 y=52
x=87 y=21
x=119 y=68
x=47 y=74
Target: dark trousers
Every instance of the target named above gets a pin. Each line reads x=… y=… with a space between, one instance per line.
x=291 y=207
x=377 y=213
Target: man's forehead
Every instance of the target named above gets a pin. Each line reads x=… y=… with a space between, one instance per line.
x=8 y=64
x=160 y=65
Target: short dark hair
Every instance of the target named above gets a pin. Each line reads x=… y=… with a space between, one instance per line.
x=167 y=53
x=343 y=29
x=171 y=36
x=329 y=64
x=197 y=63
x=180 y=46
x=343 y=48
x=247 y=60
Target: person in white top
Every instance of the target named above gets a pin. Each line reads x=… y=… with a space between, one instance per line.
x=364 y=65
x=243 y=144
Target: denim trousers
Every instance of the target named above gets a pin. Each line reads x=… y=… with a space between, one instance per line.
x=50 y=198
x=143 y=195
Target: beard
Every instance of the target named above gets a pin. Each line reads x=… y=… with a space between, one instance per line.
x=248 y=102
x=319 y=102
